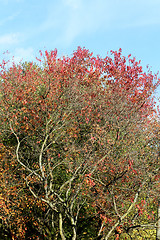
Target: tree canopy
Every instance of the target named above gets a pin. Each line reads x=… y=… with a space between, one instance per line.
x=79 y=147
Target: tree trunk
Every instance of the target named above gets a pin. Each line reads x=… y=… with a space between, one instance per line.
x=74 y=237
x=158 y=222
x=61 y=227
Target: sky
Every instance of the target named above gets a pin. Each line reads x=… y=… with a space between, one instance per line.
x=27 y=26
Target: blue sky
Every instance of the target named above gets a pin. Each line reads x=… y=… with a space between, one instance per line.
x=27 y=26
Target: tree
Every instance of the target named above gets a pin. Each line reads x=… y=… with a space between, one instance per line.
x=80 y=128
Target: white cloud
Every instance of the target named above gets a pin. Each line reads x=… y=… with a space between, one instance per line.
x=20 y=55
x=24 y=54
x=9 y=39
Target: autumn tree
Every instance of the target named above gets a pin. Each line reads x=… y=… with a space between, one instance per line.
x=81 y=128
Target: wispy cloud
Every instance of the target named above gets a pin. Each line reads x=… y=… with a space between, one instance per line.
x=70 y=19
x=24 y=54
x=8 y=19
x=88 y=17
x=9 y=39
x=84 y=18
x=130 y=14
